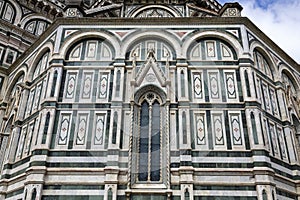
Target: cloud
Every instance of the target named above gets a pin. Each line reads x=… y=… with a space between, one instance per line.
x=278 y=19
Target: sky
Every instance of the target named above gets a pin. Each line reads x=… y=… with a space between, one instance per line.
x=278 y=19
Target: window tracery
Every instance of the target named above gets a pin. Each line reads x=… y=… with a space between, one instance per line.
x=149 y=140
x=149 y=120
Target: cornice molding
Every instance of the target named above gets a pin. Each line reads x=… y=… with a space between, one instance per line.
x=184 y=21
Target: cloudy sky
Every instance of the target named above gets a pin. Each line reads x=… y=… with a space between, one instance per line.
x=278 y=19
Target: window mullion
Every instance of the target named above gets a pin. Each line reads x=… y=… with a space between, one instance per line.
x=149 y=146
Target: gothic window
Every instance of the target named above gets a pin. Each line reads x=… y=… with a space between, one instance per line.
x=150 y=133
x=115 y=128
x=46 y=128
x=182 y=83
x=184 y=128
x=41 y=66
x=247 y=83
x=109 y=194
x=149 y=163
x=264 y=195
x=33 y=196
x=186 y=195
x=262 y=64
x=54 y=84
x=118 y=85
x=254 y=128
x=90 y=50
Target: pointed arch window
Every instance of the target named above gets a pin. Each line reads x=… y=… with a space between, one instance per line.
x=247 y=84
x=182 y=83
x=33 y=196
x=184 y=128
x=254 y=128
x=150 y=134
x=118 y=83
x=54 y=83
x=46 y=127
x=149 y=162
x=264 y=195
x=109 y=194
x=186 y=195
x=115 y=128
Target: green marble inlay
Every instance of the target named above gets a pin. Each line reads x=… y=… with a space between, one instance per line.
x=14 y=193
x=73 y=187
x=85 y=197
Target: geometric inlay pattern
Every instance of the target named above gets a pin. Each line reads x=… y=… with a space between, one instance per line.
x=99 y=130
x=200 y=129
x=64 y=129
x=230 y=84
x=197 y=86
x=87 y=85
x=103 y=85
x=236 y=129
x=214 y=85
x=71 y=85
x=218 y=129
x=81 y=129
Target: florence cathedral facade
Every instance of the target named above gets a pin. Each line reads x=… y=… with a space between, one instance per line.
x=144 y=100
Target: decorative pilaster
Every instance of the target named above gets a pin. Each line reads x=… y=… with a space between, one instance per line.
x=130 y=145
x=167 y=132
